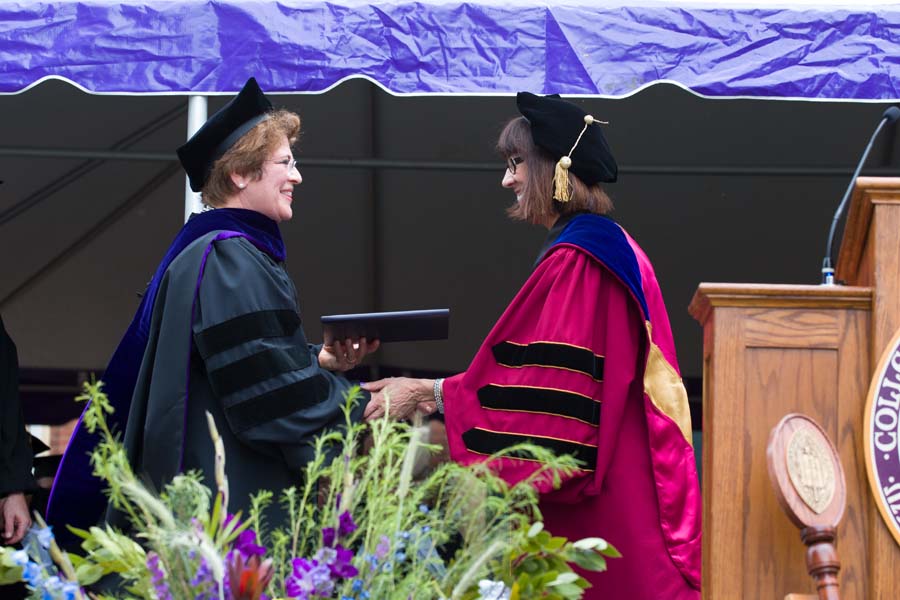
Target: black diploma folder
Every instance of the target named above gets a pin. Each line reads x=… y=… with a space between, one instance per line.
x=396 y=326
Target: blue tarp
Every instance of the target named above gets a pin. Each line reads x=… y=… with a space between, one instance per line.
x=451 y=47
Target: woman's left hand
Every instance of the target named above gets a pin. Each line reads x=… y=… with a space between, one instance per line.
x=404 y=394
x=343 y=356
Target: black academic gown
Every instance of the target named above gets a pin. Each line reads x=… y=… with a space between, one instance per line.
x=226 y=338
x=15 y=450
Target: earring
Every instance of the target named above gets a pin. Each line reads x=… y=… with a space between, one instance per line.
x=242 y=186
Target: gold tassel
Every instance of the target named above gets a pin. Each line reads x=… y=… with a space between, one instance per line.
x=561 y=179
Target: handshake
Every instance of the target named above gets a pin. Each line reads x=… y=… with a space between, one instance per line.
x=400 y=397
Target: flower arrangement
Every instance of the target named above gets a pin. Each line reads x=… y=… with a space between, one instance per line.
x=360 y=527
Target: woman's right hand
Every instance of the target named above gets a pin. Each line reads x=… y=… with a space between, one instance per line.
x=347 y=355
x=404 y=394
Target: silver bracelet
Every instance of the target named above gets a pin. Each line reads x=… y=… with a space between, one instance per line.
x=439 y=395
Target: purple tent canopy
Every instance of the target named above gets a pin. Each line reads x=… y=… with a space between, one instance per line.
x=452 y=47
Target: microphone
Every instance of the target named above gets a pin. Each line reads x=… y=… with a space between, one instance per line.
x=891 y=114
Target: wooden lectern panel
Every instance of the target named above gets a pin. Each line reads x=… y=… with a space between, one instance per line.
x=870 y=256
x=771 y=350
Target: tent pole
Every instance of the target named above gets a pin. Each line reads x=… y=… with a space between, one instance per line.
x=196 y=118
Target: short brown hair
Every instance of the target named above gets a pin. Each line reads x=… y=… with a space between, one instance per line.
x=537 y=196
x=247 y=156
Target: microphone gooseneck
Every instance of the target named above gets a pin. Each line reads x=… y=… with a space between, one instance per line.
x=891 y=114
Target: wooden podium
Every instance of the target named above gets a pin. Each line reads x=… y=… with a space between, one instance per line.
x=770 y=350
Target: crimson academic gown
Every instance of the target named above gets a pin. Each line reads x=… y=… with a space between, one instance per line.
x=582 y=361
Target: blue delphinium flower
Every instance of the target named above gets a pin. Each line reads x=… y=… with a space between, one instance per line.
x=19 y=558
x=32 y=575
x=45 y=536
x=50 y=587
x=69 y=591
x=372 y=560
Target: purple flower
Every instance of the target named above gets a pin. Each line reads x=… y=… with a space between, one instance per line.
x=309 y=579
x=346 y=526
x=246 y=544
x=342 y=567
x=383 y=547
x=328 y=537
x=158 y=577
x=338 y=561
x=203 y=574
x=204 y=583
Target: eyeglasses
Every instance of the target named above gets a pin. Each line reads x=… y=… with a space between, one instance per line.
x=288 y=163
x=511 y=163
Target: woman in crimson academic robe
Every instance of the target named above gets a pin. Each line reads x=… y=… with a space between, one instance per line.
x=582 y=362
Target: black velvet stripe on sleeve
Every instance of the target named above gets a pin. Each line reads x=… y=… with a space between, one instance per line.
x=549 y=354
x=250 y=326
x=278 y=403
x=483 y=441
x=540 y=400
x=257 y=368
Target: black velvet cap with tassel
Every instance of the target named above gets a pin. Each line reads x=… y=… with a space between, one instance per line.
x=572 y=137
x=221 y=131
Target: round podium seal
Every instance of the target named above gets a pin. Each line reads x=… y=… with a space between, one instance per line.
x=882 y=429
x=806 y=472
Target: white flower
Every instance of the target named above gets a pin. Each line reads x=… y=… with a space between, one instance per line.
x=493 y=590
x=20 y=558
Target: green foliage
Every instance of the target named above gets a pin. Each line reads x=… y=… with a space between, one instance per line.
x=9 y=571
x=107 y=551
x=187 y=497
x=541 y=564
x=402 y=536
x=490 y=521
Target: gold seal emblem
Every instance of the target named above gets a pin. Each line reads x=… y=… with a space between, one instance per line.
x=810 y=467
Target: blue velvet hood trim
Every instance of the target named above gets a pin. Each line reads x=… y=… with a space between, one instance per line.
x=77 y=498
x=604 y=240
